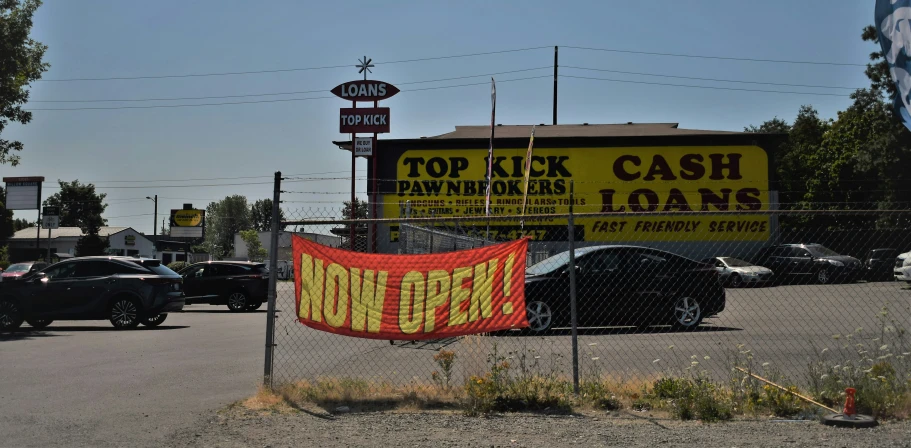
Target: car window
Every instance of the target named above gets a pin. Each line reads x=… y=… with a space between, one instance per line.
x=212 y=270
x=230 y=269
x=601 y=261
x=60 y=271
x=193 y=271
x=800 y=252
x=779 y=252
x=126 y=268
x=94 y=268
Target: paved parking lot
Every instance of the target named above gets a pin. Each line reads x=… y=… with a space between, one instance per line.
x=86 y=384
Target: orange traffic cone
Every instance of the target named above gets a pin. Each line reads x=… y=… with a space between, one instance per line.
x=849 y=412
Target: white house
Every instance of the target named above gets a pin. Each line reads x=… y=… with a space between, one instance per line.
x=123 y=241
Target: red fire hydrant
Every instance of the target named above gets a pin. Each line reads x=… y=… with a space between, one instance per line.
x=849 y=411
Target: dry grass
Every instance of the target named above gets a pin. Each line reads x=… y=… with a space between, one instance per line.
x=266 y=400
x=365 y=396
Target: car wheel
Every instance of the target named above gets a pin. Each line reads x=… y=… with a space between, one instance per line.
x=540 y=316
x=124 y=313
x=39 y=323
x=155 y=320
x=253 y=306
x=237 y=301
x=823 y=277
x=736 y=281
x=687 y=313
x=10 y=315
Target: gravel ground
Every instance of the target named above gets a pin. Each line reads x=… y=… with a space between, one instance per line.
x=242 y=428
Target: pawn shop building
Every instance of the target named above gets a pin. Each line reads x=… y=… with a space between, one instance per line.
x=649 y=184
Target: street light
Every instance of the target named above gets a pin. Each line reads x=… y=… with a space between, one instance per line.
x=155 y=220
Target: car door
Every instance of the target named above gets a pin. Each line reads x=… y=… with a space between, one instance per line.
x=802 y=262
x=215 y=282
x=193 y=283
x=649 y=284
x=598 y=291
x=89 y=289
x=50 y=294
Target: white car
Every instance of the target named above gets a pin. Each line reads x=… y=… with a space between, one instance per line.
x=735 y=272
x=903 y=267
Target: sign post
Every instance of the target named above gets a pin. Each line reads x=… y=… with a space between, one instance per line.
x=366 y=121
x=51 y=220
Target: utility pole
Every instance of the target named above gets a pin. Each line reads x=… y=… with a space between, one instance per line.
x=155 y=222
x=556 y=65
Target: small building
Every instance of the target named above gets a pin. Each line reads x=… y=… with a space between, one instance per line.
x=284 y=243
x=31 y=244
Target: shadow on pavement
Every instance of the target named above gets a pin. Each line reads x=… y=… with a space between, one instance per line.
x=225 y=311
x=53 y=331
x=601 y=331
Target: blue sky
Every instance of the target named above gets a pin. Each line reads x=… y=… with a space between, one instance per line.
x=172 y=146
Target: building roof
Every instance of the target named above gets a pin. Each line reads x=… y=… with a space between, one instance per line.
x=31 y=233
x=576 y=130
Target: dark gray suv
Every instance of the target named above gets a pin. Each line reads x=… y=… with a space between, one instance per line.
x=127 y=291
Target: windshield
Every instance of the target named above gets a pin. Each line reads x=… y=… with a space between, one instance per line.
x=735 y=262
x=822 y=251
x=19 y=267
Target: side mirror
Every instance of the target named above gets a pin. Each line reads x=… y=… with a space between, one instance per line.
x=39 y=277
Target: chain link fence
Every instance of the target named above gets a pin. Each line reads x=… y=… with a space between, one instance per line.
x=797 y=292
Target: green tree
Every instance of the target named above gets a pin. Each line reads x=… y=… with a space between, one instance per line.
x=81 y=207
x=4 y=257
x=20 y=65
x=360 y=239
x=224 y=219
x=255 y=250
x=261 y=215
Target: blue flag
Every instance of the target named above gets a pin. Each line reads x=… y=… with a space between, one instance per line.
x=893 y=24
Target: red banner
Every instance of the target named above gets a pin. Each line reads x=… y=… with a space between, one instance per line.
x=409 y=297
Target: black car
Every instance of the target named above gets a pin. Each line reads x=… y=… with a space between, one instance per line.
x=623 y=285
x=127 y=291
x=879 y=264
x=238 y=284
x=810 y=263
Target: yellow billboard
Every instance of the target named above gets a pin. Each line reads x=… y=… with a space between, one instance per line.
x=449 y=183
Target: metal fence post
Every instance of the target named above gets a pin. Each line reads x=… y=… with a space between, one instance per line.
x=273 y=278
x=573 y=311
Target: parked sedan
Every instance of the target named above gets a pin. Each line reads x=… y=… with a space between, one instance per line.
x=126 y=291
x=622 y=285
x=737 y=273
x=238 y=284
x=17 y=270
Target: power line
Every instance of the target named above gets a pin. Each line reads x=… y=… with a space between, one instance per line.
x=167 y=106
x=726 y=58
x=124 y=100
x=710 y=79
x=703 y=87
x=254 y=72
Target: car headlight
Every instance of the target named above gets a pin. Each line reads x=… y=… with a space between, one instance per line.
x=835 y=263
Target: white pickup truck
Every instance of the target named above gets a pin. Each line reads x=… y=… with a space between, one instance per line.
x=903 y=267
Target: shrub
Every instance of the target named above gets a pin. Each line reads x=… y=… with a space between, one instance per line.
x=178 y=266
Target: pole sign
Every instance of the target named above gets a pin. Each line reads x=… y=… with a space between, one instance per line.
x=51 y=211
x=50 y=222
x=23 y=193
x=373 y=120
x=365 y=91
x=188 y=223
x=363 y=146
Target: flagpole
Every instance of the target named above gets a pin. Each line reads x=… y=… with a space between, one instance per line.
x=493 y=118
x=531 y=144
